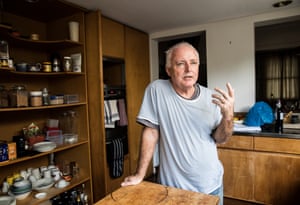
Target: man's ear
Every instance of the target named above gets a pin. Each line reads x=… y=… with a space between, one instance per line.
x=168 y=71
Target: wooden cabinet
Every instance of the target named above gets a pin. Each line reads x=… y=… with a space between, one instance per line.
x=131 y=71
x=14 y=119
x=137 y=78
x=113 y=42
x=265 y=171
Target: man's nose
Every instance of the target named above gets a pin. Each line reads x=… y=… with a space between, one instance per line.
x=187 y=67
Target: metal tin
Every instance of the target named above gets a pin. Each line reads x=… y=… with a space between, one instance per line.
x=47 y=66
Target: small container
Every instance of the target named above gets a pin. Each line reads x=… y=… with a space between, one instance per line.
x=56 y=99
x=3 y=96
x=45 y=96
x=67 y=64
x=47 y=66
x=4 y=53
x=36 y=98
x=3 y=151
x=18 y=96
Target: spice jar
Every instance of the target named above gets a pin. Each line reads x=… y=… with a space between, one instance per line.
x=3 y=96
x=67 y=64
x=36 y=98
x=18 y=96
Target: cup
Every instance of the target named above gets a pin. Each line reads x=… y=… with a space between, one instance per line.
x=74 y=30
x=5 y=187
x=56 y=174
x=47 y=173
x=36 y=173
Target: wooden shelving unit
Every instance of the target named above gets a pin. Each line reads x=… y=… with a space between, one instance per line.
x=13 y=119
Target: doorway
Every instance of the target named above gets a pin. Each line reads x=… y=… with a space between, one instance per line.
x=198 y=40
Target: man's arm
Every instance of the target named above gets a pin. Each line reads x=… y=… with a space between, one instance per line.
x=149 y=139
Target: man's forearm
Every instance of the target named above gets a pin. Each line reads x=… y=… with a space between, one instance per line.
x=148 y=142
x=224 y=130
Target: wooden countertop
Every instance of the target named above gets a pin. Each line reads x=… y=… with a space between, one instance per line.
x=149 y=193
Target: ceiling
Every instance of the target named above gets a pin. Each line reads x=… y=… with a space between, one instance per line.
x=157 y=15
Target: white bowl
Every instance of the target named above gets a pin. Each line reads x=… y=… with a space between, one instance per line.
x=42 y=184
x=20 y=196
x=44 y=146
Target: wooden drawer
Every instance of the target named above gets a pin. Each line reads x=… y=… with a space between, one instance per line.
x=281 y=145
x=239 y=142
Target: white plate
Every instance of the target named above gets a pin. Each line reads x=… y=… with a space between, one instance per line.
x=44 y=146
x=7 y=200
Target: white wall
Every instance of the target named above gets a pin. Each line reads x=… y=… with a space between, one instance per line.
x=230 y=53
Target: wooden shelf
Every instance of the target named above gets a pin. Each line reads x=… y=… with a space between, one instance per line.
x=37 y=155
x=41 y=107
x=53 y=191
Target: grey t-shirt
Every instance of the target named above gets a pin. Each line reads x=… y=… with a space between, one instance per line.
x=188 y=154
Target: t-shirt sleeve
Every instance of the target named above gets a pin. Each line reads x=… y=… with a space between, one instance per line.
x=148 y=110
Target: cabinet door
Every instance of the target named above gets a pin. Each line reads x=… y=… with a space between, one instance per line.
x=277 y=179
x=112 y=38
x=238 y=173
x=137 y=78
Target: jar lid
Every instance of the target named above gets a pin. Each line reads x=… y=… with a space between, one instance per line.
x=47 y=63
x=36 y=93
x=67 y=57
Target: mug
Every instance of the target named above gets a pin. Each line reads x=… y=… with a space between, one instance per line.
x=35 y=67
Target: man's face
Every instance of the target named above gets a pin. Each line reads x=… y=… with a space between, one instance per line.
x=184 y=68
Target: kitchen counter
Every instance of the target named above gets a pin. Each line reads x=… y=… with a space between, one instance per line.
x=154 y=194
x=287 y=134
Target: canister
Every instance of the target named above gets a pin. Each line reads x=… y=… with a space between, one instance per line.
x=36 y=98
x=18 y=96
x=67 y=64
x=47 y=66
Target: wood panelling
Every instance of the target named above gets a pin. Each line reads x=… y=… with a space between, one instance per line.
x=279 y=145
x=137 y=78
x=239 y=173
x=266 y=174
x=95 y=96
x=277 y=178
x=112 y=38
x=239 y=142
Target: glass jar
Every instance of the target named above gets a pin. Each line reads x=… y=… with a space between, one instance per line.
x=3 y=96
x=18 y=96
x=36 y=98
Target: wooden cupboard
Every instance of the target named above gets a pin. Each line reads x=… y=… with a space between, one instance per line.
x=119 y=55
x=53 y=38
x=263 y=170
x=113 y=41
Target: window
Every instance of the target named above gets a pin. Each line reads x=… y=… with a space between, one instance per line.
x=278 y=76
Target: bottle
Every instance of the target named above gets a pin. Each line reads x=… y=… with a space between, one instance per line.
x=279 y=118
x=45 y=96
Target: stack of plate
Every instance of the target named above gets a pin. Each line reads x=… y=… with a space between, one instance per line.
x=44 y=146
